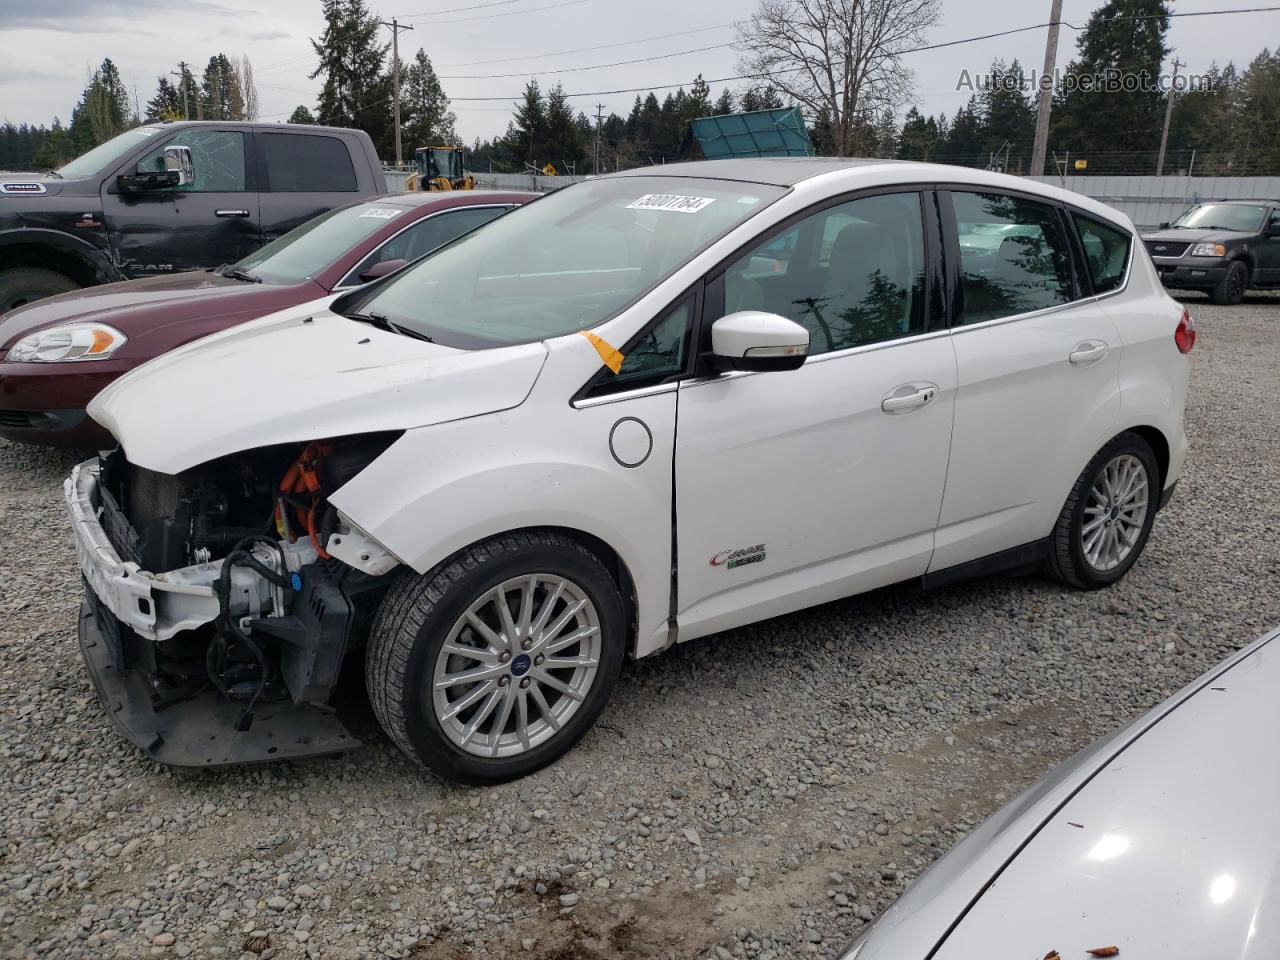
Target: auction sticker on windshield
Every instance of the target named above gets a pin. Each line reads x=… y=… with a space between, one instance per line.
x=671 y=202
x=380 y=213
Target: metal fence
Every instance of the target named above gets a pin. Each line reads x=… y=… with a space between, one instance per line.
x=1149 y=201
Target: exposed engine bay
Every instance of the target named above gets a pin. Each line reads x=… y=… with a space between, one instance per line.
x=238 y=609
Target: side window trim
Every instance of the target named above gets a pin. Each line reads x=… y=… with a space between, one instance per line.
x=586 y=396
x=349 y=281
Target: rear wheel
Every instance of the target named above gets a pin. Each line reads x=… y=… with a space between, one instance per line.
x=1105 y=523
x=1231 y=288
x=494 y=663
x=22 y=285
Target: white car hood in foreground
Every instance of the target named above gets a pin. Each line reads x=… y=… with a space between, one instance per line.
x=1166 y=844
x=302 y=375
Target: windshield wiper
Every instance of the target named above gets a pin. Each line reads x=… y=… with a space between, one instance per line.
x=378 y=320
x=241 y=275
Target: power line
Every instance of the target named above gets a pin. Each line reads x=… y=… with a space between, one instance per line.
x=598 y=66
x=474 y=6
x=584 y=49
x=513 y=13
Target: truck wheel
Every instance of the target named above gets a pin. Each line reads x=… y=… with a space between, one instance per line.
x=22 y=285
x=494 y=663
x=1231 y=288
x=1107 y=518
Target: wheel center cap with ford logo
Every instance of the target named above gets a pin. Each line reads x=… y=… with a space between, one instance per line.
x=520 y=665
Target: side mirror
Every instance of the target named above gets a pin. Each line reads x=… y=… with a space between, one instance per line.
x=1273 y=230
x=382 y=268
x=752 y=340
x=1164 y=225
x=178 y=159
x=179 y=171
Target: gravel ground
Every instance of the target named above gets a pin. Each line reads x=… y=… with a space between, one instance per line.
x=763 y=793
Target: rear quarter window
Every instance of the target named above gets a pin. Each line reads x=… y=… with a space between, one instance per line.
x=1106 y=253
x=306 y=163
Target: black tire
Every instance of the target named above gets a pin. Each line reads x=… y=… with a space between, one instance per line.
x=1231 y=288
x=1066 y=560
x=22 y=285
x=416 y=616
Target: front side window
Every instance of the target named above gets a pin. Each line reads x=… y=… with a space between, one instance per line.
x=306 y=250
x=1241 y=217
x=306 y=163
x=566 y=263
x=1014 y=256
x=218 y=157
x=427 y=235
x=852 y=275
x=1106 y=252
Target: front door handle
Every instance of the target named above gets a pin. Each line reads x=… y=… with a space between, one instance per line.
x=1091 y=351
x=231 y=213
x=911 y=397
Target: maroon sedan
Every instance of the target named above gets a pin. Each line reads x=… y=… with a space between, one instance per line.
x=56 y=354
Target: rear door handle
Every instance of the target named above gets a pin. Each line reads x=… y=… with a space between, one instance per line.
x=1091 y=351
x=231 y=213
x=900 y=401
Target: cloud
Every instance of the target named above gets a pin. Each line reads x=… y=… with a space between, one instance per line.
x=269 y=35
x=79 y=16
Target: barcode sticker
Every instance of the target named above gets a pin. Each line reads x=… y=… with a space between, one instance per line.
x=671 y=202
x=380 y=213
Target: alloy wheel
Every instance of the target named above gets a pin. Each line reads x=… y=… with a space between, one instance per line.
x=1115 y=513
x=517 y=665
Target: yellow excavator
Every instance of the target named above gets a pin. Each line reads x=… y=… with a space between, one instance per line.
x=439 y=168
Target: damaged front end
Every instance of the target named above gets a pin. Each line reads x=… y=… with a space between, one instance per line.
x=222 y=602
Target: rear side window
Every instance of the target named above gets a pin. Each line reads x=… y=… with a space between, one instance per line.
x=303 y=163
x=1106 y=252
x=1014 y=256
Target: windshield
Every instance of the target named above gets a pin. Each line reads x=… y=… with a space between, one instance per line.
x=568 y=262
x=105 y=154
x=1223 y=216
x=306 y=250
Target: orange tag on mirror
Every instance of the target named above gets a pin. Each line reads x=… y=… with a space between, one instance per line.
x=608 y=355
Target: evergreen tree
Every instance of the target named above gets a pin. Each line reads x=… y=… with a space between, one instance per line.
x=919 y=138
x=102 y=111
x=166 y=104
x=220 y=95
x=55 y=148
x=356 y=92
x=724 y=104
x=1123 y=39
x=563 y=143
x=424 y=109
x=527 y=132
x=301 y=115
x=1008 y=114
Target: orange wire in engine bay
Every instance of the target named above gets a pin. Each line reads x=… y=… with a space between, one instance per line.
x=302 y=483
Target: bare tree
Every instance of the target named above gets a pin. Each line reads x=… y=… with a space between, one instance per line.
x=248 y=90
x=839 y=59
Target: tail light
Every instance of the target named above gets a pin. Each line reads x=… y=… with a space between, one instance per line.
x=1185 y=335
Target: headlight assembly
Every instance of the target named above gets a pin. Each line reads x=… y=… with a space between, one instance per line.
x=72 y=341
x=1209 y=250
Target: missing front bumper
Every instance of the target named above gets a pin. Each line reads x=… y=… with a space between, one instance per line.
x=201 y=730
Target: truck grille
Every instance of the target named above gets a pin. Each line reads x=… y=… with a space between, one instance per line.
x=1166 y=248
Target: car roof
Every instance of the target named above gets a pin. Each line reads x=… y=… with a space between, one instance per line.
x=451 y=198
x=776 y=171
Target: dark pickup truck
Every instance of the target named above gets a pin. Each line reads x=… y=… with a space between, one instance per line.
x=168 y=197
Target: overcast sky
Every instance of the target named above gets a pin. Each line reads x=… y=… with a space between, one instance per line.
x=50 y=46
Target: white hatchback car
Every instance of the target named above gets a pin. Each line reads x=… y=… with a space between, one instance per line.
x=639 y=410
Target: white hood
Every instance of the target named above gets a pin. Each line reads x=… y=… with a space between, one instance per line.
x=302 y=374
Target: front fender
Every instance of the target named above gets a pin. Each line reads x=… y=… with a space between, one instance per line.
x=95 y=260
x=439 y=489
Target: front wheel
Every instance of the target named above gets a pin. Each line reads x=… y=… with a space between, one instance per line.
x=1231 y=288
x=494 y=663
x=22 y=285
x=1105 y=523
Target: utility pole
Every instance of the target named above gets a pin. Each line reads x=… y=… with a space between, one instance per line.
x=1168 y=115
x=396 y=26
x=182 y=65
x=1046 y=91
x=595 y=167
